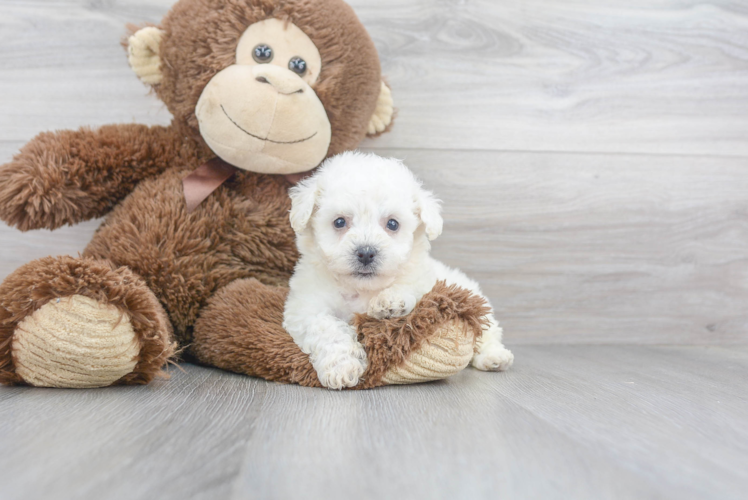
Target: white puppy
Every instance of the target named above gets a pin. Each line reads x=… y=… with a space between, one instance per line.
x=363 y=225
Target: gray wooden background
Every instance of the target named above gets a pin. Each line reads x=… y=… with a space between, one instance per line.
x=593 y=161
x=590 y=156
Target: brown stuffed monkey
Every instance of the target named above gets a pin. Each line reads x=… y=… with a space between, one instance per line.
x=196 y=248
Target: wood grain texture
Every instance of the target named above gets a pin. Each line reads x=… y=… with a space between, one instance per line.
x=62 y=66
x=598 y=248
x=591 y=158
x=653 y=422
x=571 y=247
x=542 y=75
x=167 y=440
x=538 y=75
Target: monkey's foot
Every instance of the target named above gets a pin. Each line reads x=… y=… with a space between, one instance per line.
x=67 y=322
x=435 y=341
x=75 y=342
x=448 y=353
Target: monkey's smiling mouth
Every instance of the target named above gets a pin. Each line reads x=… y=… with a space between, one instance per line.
x=263 y=138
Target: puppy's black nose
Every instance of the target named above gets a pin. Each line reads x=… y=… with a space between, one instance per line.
x=366 y=254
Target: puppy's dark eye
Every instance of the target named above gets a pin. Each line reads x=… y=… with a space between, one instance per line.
x=339 y=223
x=297 y=65
x=392 y=225
x=262 y=53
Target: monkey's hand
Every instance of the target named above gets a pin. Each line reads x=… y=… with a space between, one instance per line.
x=67 y=177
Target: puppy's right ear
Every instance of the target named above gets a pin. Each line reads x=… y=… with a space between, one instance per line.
x=303 y=198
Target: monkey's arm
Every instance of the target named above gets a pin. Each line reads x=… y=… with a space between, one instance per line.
x=69 y=176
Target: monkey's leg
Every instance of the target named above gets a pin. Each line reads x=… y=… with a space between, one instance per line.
x=435 y=341
x=72 y=322
x=240 y=330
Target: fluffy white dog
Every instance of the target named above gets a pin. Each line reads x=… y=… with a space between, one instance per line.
x=363 y=225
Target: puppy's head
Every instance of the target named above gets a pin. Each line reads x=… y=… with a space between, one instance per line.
x=364 y=217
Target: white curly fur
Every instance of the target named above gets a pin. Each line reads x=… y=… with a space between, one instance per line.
x=331 y=283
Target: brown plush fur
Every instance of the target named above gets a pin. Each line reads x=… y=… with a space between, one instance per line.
x=36 y=283
x=240 y=330
x=217 y=272
x=70 y=176
x=240 y=231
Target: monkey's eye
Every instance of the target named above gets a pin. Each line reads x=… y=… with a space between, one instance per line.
x=339 y=223
x=392 y=225
x=262 y=53
x=297 y=65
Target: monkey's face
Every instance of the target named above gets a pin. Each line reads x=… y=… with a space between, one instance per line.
x=270 y=86
x=261 y=114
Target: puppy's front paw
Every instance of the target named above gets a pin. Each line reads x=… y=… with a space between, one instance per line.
x=391 y=304
x=341 y=366
x=493 y=357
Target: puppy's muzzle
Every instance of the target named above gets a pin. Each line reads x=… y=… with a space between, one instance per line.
x=366 y=254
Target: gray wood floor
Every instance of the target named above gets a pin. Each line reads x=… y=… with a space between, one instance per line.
x=592 y=158
x=578 y=422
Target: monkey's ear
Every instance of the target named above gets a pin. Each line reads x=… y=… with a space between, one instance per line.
x=383 y=114
x=303 y=198
x=429 y=210
x=143 y=49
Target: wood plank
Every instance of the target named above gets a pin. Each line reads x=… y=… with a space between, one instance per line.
x=182 y=438
x=548 y=428
x=598 y=248
x=572 y=248
x=565 y=422
x=541 y=75
x=62 y=66
x=538 y=75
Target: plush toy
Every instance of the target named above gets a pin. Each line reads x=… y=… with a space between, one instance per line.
x=196 y=248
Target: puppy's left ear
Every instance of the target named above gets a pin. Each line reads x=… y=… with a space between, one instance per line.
x=429 y=210
x=303 y=198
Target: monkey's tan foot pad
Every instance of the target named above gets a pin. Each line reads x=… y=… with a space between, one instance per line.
x=435 y=341
x=447 y=353
x=75 y=342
